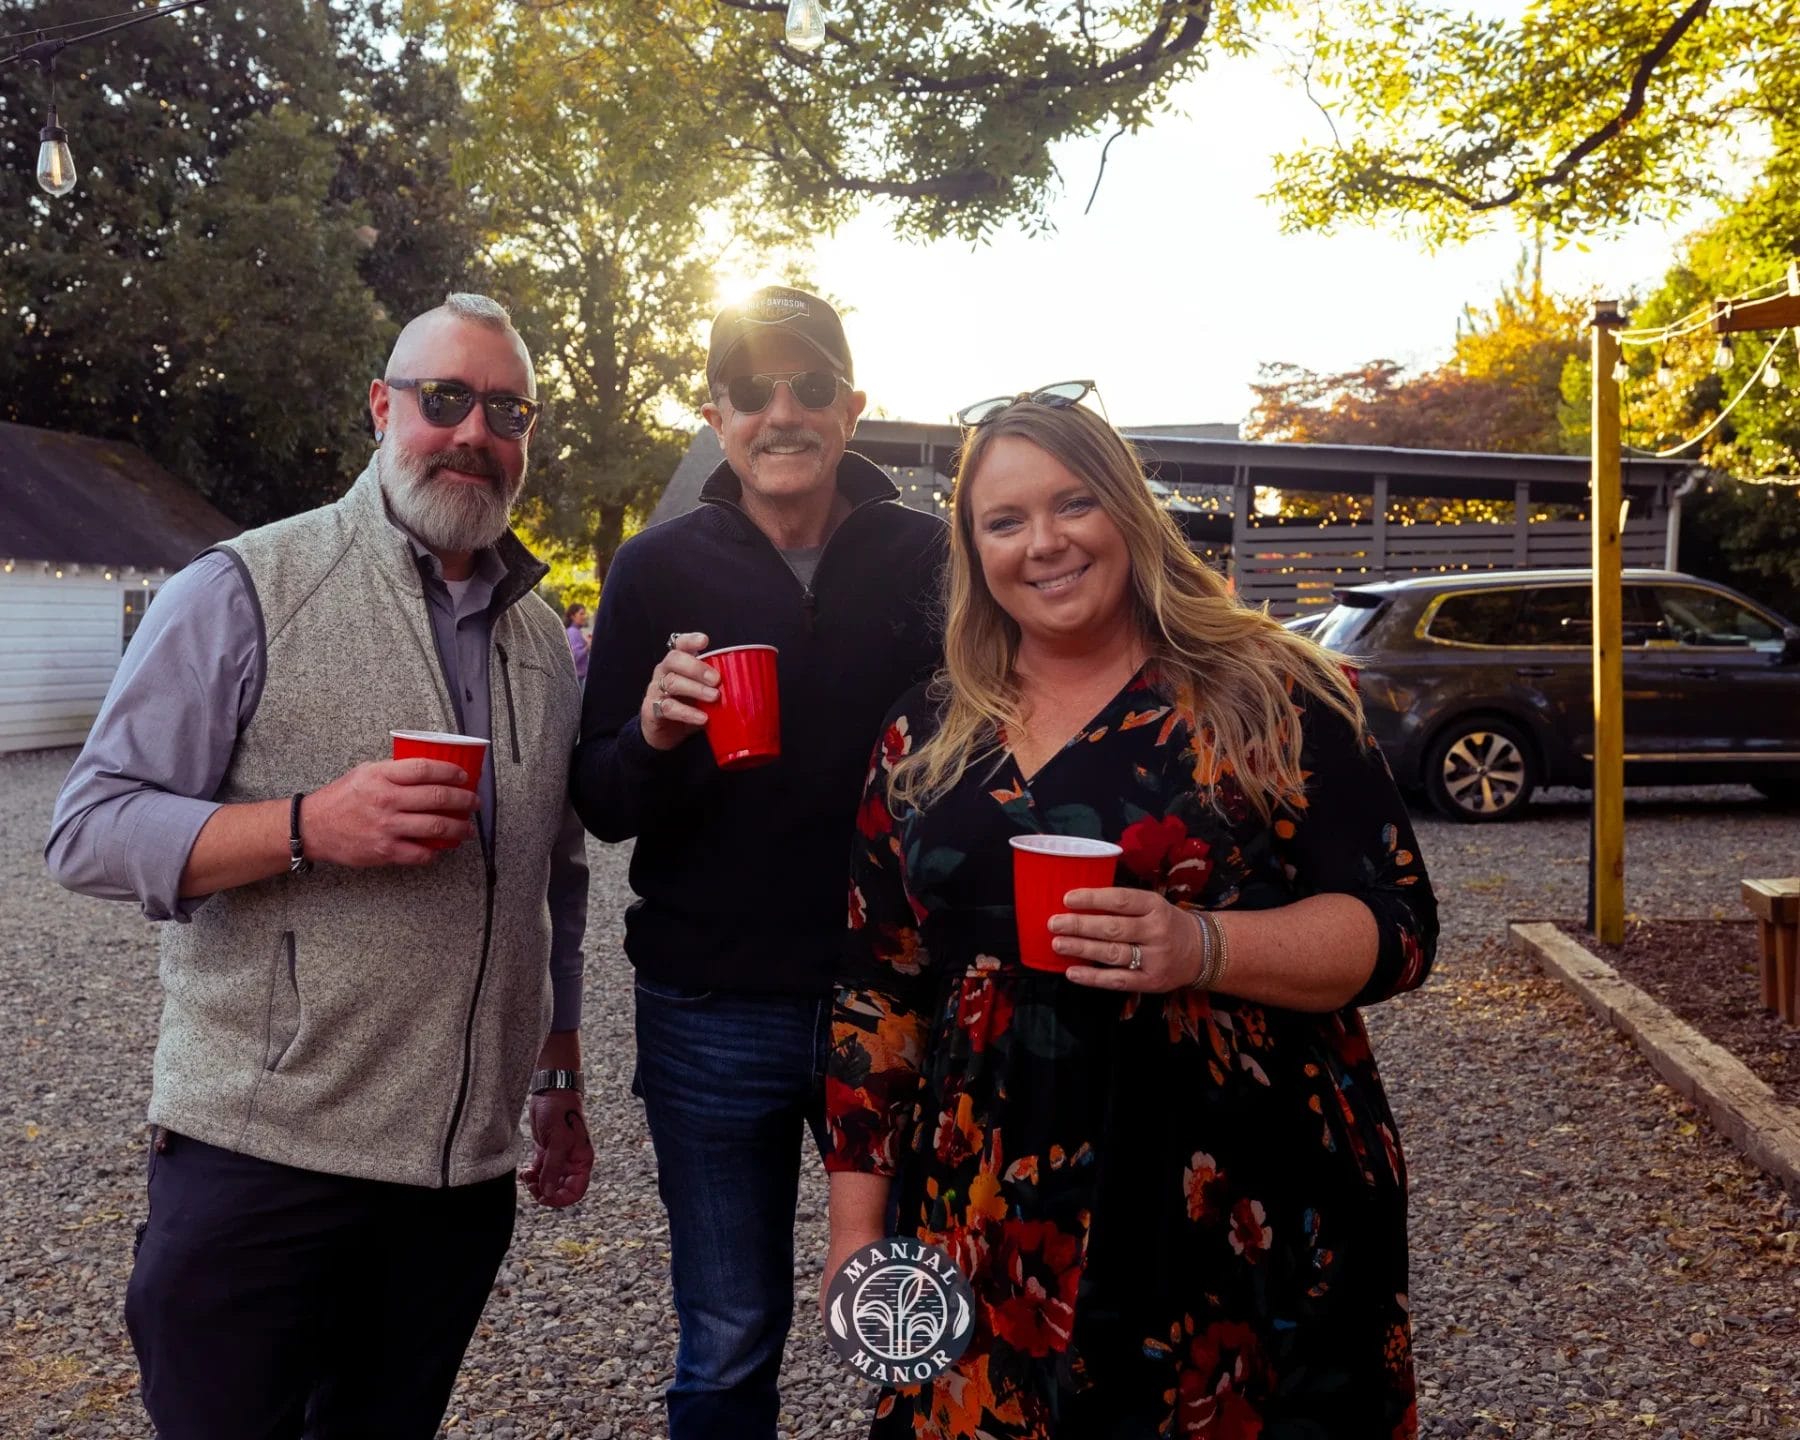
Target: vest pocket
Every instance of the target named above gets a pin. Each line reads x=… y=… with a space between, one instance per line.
x=284 y=1003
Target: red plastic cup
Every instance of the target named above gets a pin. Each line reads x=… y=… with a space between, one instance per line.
x=467 y=751
x=743 y=725
x=1046 y=868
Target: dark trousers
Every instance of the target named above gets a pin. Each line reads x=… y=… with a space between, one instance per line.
x=269 y=1303
x=730 y=1085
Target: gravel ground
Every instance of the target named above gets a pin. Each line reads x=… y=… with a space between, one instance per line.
x=1589 y=1258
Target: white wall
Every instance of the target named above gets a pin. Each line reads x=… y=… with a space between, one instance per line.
x=60 y=642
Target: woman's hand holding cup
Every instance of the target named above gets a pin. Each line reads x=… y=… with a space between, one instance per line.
x=669 y=713
x=1119 y=926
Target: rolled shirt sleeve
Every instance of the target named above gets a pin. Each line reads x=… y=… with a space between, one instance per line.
x=568 y=920
x=141 y=789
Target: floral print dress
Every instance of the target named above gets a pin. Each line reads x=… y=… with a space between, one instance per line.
x=1182 y=1215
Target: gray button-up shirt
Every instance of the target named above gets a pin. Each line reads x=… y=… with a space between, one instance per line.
x=137 y=797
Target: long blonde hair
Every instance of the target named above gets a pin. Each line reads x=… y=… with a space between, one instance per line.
x=1239 y=671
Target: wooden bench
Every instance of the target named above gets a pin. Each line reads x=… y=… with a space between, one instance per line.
x=1776 y=906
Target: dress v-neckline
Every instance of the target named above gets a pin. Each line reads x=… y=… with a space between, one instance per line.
x=1012 y=758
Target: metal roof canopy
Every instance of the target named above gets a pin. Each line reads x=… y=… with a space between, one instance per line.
x=1331 y=469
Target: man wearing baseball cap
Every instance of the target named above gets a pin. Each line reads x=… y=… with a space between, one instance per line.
x=801 y=544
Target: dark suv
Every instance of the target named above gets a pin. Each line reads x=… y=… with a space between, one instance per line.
x=1480 y=687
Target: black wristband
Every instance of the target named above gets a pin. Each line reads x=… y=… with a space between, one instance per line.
x=298 y=864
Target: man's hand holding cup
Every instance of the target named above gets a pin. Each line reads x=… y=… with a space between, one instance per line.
x=394 y=812
x=670 y=712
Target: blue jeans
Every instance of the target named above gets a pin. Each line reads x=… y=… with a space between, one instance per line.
x=729 y=1082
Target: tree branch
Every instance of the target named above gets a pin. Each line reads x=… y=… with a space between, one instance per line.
x=1629 y=112
x=1153 y=48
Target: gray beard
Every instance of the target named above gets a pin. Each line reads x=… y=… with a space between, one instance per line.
x=444 y=515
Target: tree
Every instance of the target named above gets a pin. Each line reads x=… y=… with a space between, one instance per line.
x=1378 y=404
x=1745 y=528
x=220 y=285
x=948 y=110
x=1579 y=115
x=623 y=151
x=1499 y=391
x=606 y=207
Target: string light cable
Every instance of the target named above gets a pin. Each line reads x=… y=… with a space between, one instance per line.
x=1697 y=319
x=47 y=42
x=1720 y=418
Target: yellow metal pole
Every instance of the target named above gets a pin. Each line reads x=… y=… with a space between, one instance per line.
x=1608 y=879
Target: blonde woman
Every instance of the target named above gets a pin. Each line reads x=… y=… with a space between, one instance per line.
x=1170 y=1174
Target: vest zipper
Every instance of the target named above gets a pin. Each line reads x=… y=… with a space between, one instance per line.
x=512 y=720
x=489 y=851
x=462 y=1090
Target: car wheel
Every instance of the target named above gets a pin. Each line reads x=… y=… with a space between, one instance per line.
x=1785 y=793
x=1480 y=770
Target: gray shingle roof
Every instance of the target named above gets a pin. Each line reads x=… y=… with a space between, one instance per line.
x=74 y=500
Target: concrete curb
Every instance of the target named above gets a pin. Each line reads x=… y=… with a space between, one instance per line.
x=1740 y=1105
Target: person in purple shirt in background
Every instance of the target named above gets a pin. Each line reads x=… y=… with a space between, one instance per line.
x=575 y=618
x=366 y=969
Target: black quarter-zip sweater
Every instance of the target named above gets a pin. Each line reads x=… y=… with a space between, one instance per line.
x=742 y=878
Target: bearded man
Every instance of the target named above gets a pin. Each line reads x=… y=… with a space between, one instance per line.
x=369 y=966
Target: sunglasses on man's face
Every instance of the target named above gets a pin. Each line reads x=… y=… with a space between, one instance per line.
x=1059 y=396
x=814 y=389
x=447 y=403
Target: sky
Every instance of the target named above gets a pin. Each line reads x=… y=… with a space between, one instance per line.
x=1179 y=283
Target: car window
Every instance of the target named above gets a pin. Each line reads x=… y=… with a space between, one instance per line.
x=1564 y=615
x=1478 y=617
x=1709 y=619
x=1342 y=624
x=1556 y=615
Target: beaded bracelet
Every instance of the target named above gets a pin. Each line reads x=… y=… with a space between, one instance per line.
x=1214 y=952
x=1207 y=951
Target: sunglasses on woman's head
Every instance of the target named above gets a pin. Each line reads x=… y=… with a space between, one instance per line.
x=1059 y=396
x=447 y=403
x=814 y=389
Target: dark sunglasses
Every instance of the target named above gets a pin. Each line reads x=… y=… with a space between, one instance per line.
x=814 y=389
x=447 y=403
x=1059 y=396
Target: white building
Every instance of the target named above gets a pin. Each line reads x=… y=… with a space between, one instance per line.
x=88 y=530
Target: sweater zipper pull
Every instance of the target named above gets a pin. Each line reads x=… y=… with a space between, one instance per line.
x=809 y=602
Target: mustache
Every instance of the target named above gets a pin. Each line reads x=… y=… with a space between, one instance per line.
x=783 y=437
x=470 y=462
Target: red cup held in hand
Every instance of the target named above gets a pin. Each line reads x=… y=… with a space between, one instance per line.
x=467 y=751
x=743 y=725
x=1046 y=868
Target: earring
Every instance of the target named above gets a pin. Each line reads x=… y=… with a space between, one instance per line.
x=380 y=435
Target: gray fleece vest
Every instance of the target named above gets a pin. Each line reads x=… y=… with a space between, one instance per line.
x=383 y=1022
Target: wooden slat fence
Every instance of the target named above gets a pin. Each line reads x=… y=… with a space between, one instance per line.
x=1295 y=569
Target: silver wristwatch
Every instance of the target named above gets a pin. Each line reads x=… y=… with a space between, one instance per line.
x=542 y=1080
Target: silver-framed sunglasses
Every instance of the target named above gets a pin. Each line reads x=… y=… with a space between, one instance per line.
x=1059 y=396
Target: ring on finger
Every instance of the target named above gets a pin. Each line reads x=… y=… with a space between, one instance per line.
x=1137 y=958
x=663 y=684
x=674 y=638
x=656 y=708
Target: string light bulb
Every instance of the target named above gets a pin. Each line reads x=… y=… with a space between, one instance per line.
x=1724 y=357
x=56 y=162
x=1665 y=372
x=1771 y=375
x=1621 y=372
x=805 y=25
